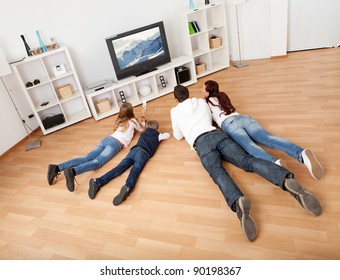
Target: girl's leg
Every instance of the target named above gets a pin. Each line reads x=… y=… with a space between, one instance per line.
x=111 y=147
x=260 y=135
x=80 y=160
x=235 y=127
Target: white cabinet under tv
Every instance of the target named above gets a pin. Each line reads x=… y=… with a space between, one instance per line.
x=106 y=102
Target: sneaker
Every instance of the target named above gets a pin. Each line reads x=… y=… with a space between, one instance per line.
x=305 y=198
x=52 y=174
x=314 y=167
x=69 y=179
x=282 y=163
x=247 y=223
x=124 y=192
x=93 y=189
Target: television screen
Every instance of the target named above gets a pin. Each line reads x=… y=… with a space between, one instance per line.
x=138 y=51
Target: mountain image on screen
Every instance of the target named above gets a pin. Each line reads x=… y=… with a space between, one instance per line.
x=138 y=48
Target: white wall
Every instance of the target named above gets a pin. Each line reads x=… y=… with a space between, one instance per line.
x=83 y=27
x=315 y=27
x=8 y=117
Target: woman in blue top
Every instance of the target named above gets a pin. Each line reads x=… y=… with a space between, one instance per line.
x=246 y=131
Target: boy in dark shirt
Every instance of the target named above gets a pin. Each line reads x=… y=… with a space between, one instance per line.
x=138 y=156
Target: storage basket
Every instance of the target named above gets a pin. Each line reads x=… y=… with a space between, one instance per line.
x=200 y=68
x=65 y=91
x=215 y=42
x=103 y=105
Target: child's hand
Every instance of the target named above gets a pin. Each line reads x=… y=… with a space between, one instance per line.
x=143 y=112
x=166 y=135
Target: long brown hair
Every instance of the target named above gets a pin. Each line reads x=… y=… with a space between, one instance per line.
x=125 y=114
x=224 y=102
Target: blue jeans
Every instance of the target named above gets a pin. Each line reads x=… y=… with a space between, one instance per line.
x=102 y=153
x=137 y=158
x=244 y=130
x=215 y=146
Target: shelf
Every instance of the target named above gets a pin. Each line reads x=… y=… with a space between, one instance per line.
x=211 y=20
x=74 y=108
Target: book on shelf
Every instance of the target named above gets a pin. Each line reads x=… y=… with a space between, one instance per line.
x=193 y=27
x=196 y=26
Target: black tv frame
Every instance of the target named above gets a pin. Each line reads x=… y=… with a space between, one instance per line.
x=142 y=67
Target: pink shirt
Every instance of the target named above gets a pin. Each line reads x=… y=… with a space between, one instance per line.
x=126 y=137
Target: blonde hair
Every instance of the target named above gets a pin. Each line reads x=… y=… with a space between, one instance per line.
x=124 y=116
x=152 y=124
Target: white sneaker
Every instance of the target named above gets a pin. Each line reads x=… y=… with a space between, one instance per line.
x=281 y=163
x=314 y=167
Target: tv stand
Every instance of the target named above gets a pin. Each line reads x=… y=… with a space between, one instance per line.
x=161 y=82
x=146 y=71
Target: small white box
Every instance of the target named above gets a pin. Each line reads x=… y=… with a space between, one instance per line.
x=59 y=69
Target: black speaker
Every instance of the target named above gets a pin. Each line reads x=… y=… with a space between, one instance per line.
x=163 y=82
x=122 y=96
x=52 y=121
x=182 y=74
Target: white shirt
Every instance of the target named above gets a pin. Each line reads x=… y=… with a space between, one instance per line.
x=217 y=114
x=190 y=119
x=126 y=137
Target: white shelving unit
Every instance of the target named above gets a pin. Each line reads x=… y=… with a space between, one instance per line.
x=131 y=87
x=211 y=20
x=40 y=67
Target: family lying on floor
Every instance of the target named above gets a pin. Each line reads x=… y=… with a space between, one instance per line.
x=235 y=141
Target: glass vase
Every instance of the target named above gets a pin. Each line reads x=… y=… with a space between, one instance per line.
x=191 y=5
x=42 y=45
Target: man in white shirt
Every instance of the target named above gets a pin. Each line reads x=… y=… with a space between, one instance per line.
x=191 y=119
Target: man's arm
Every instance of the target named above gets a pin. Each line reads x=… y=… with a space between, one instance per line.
x=176 y=130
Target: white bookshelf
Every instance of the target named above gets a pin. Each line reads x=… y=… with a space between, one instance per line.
x=211 y=20
x=73 y=108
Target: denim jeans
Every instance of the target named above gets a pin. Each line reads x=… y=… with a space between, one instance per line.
x=244 y=130
x=102 y=153
x=216 y=146
x=138 y=157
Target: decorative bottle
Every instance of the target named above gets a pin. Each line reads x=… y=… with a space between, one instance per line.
x=42 y=45
x=191 y=5
x=27 y=47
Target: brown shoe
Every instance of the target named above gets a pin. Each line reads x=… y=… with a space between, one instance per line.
x=123 y=194
x=306 y=199
x=247 y=223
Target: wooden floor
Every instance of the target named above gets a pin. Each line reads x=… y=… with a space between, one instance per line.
x=176 y=211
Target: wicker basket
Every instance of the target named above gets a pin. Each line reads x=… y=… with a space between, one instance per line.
x=215 y=42
x=103 y=105
x=200 y=68
x=65 y=91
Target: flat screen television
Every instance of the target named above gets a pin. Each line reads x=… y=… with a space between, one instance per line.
x=138 y=51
